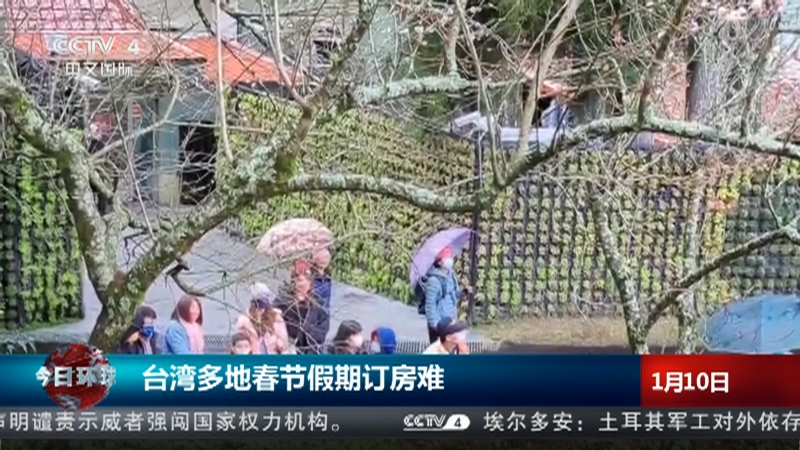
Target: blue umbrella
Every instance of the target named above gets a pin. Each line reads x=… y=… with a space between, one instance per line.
x=764 y=324
x=455 y=238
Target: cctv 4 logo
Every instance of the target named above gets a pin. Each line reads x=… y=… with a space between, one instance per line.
x=93 y=47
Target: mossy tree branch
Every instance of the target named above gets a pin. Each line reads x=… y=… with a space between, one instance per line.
x=620 y=272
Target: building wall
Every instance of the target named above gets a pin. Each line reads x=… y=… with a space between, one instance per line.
x=196 y=108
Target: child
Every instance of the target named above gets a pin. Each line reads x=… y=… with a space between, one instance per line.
x=383 y=341
x=240 y=344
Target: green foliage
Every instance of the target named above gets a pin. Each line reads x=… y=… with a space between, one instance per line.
x=40 y=265
x=537 y=252
x=774 y=268
x=377 y=235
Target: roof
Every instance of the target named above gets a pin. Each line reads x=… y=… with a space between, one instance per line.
x=124 y=46
x=71 y=15
x=239 y=63
x=38 y=26
x=182 y=16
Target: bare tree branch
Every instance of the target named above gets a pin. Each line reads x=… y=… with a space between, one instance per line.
x=366 y=95
x=758 y=70
x=658 y=58
x=620 y=272
x=175 y=274
x=484 y=102
x=788 y=231
x=543 y=63
x=451 y=45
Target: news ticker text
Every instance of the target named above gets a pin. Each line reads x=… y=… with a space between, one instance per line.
x=294 y=377
x=443 y=423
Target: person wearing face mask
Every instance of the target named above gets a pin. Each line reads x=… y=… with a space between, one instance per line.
x=307 y=322
x=140 y=337
x=441 y=292
x=348 y=339
x=383 y=342
x=453 y=340
x=240 y=344
x=263 y=323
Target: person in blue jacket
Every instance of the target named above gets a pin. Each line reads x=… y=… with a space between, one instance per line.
x=184 y=333
x=441 y=292
x=321 y=261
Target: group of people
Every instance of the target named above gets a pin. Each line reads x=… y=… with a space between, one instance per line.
x=297 y=319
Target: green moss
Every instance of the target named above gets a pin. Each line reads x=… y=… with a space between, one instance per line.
x=537 y=253
x=40 y=264
x=376 y=236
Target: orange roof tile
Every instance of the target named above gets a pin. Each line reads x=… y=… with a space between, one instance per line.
x=70 y=15
x=239 y=63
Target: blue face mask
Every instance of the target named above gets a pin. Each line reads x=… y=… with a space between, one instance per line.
x=147 y=331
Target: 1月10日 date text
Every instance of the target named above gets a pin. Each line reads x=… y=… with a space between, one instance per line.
x=677 y=382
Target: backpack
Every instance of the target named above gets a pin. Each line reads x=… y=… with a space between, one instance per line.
x=419 y=292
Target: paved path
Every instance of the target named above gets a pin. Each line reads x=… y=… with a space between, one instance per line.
x=225 y=268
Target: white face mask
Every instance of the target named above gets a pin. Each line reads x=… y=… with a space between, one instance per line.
x=375 y=347
x=356 y=341
x=459 y=337
x=447 y=263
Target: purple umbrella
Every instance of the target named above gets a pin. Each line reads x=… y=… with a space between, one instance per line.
x=456 y=238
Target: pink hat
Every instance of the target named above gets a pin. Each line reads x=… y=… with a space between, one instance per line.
x=444 y=253
x=301 y=267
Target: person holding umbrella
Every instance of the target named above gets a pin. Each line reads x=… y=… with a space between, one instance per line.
x=307 y=322
x=441 y=292
x=433 y=280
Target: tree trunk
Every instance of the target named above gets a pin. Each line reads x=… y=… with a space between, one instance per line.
x=119 y=307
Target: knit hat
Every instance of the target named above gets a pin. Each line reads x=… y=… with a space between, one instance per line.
x=445 y=253
x=262 y=295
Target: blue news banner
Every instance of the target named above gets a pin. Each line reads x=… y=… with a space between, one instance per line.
x=171 y=381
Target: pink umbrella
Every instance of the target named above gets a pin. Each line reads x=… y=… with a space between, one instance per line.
x=293 y=237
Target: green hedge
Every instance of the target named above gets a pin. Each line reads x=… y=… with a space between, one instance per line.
x=40 y=265
x=377 y=235
x=537 y=252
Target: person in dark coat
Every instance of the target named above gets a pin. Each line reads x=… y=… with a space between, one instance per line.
x=140 y=337
x=348 y=339
x=323 y=286
x=307 y=321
